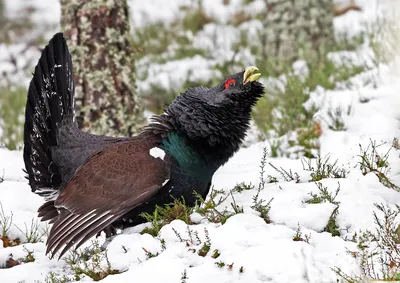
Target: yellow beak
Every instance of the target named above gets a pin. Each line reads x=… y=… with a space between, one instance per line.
x=249 y=75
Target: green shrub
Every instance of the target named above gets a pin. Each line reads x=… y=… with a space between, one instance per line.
x=377 y=253
x=12 y=105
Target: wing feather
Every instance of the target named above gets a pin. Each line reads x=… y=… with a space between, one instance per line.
x=80 y=231
x=110 y=184
x=89 y=232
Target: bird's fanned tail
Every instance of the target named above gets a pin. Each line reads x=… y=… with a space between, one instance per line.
x=49 y=104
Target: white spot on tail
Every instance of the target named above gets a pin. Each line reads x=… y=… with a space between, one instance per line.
x=157 y=153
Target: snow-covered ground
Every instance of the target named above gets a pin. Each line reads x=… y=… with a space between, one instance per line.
x=266 y=252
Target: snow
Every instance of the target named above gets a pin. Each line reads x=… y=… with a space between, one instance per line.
x=360 y=21
x=252 y=247
x=44 y=12
x=266 y=252
x=11 y=165
x=171 y=74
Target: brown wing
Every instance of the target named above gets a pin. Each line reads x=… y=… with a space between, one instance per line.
x=110 y=184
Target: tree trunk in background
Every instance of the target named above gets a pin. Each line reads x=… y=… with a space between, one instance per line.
x=292 y=27
x=98 y=35
x=2 y=14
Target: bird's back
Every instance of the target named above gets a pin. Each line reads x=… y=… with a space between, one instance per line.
x=75 y=147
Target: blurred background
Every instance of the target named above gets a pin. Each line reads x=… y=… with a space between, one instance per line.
x=131 y=58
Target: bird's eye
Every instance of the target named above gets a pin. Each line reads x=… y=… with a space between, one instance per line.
x=230 y=83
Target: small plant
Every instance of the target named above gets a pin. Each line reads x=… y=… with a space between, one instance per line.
x=32 y=234
x=395 y=144
x=287 y=175
x=194 y=239
x=336 y=119
x=184 y=276
x=259 y=205
x=205 y=248
x=5 y=222
x=53 y=277
x=324 y=169
x=193 y=236
x=163 y=245
x=222 y=264
x=177 y=234
x=378 y=252
x=263 y=163
x=9 y=242
x=5 y=225
x=236 y=208
x=209 y=210
x=308 y=140
x=372 y=161
x=298 y=237
x=263 y=208
x=89 y=262
x=29 y=256
x=324 y=195
x=242 y=187
x=149 y=254
x=216 y=254
x=272 y=179
x=164 y=215
x=203 y=251
x=332 y=226
x=275 y=148
x=11 y=262
x=125 y=249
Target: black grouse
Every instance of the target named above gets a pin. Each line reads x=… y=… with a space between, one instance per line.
x=90 y=182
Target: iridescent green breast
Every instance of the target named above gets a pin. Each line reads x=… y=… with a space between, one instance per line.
x=191 y=157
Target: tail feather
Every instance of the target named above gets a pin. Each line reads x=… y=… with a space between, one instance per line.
x=50 y=103
x=47 y=211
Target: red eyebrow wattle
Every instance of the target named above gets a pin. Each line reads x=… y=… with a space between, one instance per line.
x=228 y=82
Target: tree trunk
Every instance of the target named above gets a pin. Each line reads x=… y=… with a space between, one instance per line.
x=2 y=14
x=296 y=28
x=98 y=35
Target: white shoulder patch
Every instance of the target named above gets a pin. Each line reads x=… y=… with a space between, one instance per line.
x=157 y=153
x=166 y=181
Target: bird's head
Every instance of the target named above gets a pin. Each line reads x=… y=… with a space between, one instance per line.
x=240 y=90
x=218 y=115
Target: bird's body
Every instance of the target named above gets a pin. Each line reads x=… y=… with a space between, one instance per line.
x=91 y=182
